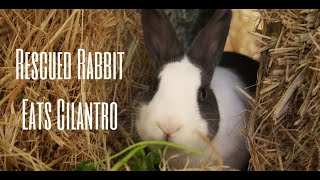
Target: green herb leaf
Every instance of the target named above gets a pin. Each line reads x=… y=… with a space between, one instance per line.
x=137 y=158
x=86 y=166
x=153 y=159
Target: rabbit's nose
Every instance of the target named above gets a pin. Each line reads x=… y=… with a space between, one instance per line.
x=168 y=128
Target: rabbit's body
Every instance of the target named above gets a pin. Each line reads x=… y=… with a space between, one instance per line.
x=195 y=93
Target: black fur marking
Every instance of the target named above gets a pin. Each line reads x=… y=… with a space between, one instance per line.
x=207 y=47
x=209 y=107
x=245 y=67
x=160 y=38
x=209 y=110
x=152 y=89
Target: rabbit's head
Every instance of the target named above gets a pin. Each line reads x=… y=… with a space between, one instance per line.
x=180 y=101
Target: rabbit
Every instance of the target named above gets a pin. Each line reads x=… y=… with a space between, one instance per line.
x=194 y=92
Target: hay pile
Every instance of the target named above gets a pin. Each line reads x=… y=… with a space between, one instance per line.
x=239 y=39
x=67 y=30
x=284 y=128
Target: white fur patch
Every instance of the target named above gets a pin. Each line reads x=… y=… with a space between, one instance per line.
x=230 y=141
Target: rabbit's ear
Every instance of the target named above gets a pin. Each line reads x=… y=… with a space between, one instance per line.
x=208 y=46
x=160 y=38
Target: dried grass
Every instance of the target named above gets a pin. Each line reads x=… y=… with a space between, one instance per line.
x=284 y=127
x=239 y=40
x=67 y=30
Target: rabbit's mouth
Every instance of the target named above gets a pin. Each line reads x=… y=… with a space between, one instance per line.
x=168 y=137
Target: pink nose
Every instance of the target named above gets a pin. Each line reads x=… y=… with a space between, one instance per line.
x=168 y=128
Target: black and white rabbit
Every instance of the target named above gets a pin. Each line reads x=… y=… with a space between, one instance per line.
x=195 y=91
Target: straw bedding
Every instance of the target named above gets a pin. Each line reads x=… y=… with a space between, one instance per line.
x=283 y=131
x=67 y=30
x=284 y=125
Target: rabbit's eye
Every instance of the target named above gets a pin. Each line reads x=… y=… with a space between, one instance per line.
x=202 y=94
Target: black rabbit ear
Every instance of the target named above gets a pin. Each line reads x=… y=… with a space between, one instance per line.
x=208 y=46
x=160 y=38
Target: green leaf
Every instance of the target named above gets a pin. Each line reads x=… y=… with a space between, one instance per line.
x=148 y=143
x=140 y=154
x=137 y=163
x=138 y=160
x=124 y=160
x=85 y=166
x=153 y=159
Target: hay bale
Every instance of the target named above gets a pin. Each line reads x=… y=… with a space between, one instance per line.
x=240 y=39
x=284 y=127
x=67 y=30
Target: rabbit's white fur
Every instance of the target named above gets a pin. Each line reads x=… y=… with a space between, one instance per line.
x=174 y=107
x=230 y=140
